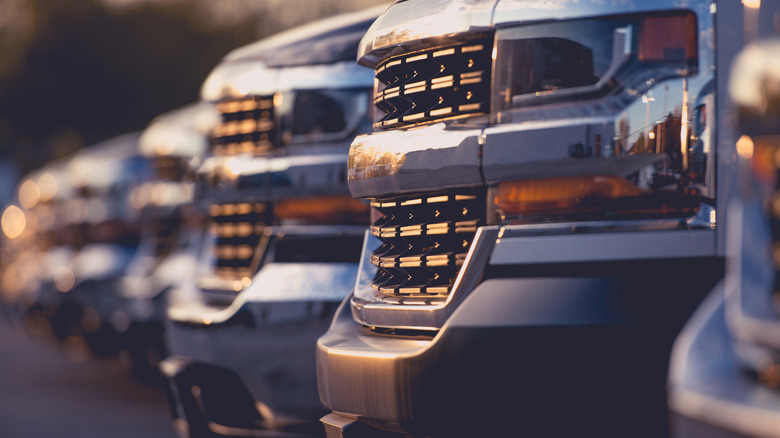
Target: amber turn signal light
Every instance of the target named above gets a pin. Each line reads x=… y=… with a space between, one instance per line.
x=589 y=197
x=323 y=210
x=560 y=195
x=668 y=39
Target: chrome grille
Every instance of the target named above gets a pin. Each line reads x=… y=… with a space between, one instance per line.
x=434 y=84
x=239 y=229
x=425 y=239
x=247 y=126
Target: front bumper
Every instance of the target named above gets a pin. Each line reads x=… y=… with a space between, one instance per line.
x=547 y=344
x=709 y=391
x=85 y=311
x=236 y=380
x=249 y=367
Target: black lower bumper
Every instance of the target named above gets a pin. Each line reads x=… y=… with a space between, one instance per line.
x=212 y=401
x=549 y=356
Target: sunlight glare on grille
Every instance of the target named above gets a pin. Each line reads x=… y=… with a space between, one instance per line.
x=434 y=84
x=424 y=241
x=247 y=126
x=239 y=229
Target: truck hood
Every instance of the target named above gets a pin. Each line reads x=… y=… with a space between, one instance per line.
x=321 y=42
x=408 y=24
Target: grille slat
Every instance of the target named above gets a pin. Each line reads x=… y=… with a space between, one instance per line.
x=248 y=126
x=239 y=229
x=424 y=241
x=434 y=84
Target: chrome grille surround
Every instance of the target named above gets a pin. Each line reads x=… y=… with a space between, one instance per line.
x=434 y=84
x=240 y=231
x=425 y=239
x=247 y=126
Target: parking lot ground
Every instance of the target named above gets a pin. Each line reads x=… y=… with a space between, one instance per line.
x=47 y=390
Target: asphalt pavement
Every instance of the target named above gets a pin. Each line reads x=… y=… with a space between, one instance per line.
x=48 y=389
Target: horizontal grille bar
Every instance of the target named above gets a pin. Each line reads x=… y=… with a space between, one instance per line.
x=434 y=84
x=248 y=126
x=424 y=241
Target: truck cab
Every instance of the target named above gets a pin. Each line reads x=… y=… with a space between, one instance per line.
x=548 y=183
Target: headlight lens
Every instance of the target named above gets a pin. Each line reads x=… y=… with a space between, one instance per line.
x=321 y=115
x=631 y=154
x=543 y=63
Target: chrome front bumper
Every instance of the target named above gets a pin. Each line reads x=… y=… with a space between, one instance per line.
x=262 y=345
x=709 y=391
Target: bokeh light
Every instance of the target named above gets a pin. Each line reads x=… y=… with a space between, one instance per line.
x=13 y=222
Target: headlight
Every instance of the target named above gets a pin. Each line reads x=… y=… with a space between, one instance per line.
x=321 y=115
x=621 y=92
x=591 y=58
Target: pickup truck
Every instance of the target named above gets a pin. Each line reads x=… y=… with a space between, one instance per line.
x=283 y=234
x=548 y=183
x=171 y=233
x=724 y=373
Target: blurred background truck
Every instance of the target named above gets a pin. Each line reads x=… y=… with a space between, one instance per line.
x=283 y=234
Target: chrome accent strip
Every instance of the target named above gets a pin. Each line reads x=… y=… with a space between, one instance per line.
x=582 y=227
x=601 y=247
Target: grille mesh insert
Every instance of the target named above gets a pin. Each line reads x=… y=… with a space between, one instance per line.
x=247 y=126
x=434 y=84
x=425 y=239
